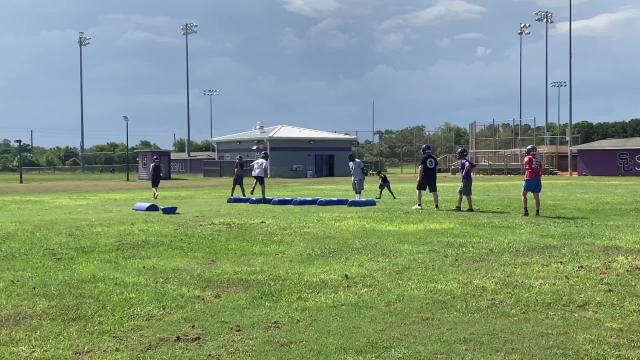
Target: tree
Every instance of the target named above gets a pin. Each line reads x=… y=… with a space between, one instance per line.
x=73 y=162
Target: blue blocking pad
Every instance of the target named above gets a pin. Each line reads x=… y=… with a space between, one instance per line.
x=305 y=201
x=238 y=200
x=169 y=210
x=145 y=207
x=333 y=202
x=361 y=203
x=255 y=201
x=285 y=201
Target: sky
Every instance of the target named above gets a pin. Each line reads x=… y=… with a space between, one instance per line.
x=309 y=63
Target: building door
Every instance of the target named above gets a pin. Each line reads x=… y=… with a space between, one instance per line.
x=325 y=165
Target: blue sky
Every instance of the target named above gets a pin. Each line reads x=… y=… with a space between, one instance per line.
x=311 y=63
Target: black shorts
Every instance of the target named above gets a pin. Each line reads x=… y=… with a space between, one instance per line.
x=424 y=184
x=238 y=180
x=383 y=186
x=155 y=183
x=259 y=179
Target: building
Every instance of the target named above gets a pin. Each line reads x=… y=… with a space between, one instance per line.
x=612 y=157
x=181 y=164
x=145 y=159
x=295 y=152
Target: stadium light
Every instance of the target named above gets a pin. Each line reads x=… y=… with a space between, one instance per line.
x=524 y=31
x=545 y=17
x=126 y=158
x=19 y=142
x=211 y=93
x=186 y=30
x=570 y=86
x=83 y=41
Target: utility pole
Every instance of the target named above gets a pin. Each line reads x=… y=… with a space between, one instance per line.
x=83 y=41
x=211 y=93
x=126 y=159
x=570 y=140
x=32 y=141
x=373 y=121
x=19 y=142
x=188 y=29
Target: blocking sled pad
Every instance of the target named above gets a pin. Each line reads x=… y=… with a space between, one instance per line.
x=145 y=207
x=333 y=202
x=284 y=201
x=238 y=200
x=255 y=201
x=305 y=201
x=169 y=210
x=361 y=203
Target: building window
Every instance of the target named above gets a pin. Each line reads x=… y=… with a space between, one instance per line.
x=144 y=161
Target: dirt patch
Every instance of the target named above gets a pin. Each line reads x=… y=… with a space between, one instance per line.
x=274 y=325
x=635 y=268
x=218 y=291
x=236 y=328
x=15 y=319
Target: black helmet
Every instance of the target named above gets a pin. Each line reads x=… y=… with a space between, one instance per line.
x=531 y=149
x=156 y=158
x=352 y=157
x=264 y=155
x=426 y=148
x=462 y=153
x=239 y=157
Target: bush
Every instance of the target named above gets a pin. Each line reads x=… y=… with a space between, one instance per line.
x=73 y=162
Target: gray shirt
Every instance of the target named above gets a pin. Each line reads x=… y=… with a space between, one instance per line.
x=357 y=170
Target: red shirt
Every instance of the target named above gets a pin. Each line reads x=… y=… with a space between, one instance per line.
x=532 y=167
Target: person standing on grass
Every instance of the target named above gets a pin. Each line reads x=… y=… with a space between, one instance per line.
x=427 y=177
x=357 y=175
x=260 y=168
x=466 y=167
x=384 y=184
x=238 y=176
x=156 y=174
x=532 y=179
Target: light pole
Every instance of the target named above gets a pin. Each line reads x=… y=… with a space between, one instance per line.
x=83 y=41
x=559 y=85
x=524 y=31
x=126 y=158
x=546 y=17
x=211 y=93
x=19 y=142
x=570 y=140
x=186 y=30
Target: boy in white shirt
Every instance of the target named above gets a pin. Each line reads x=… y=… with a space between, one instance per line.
x=260 y=168
x=357 y=175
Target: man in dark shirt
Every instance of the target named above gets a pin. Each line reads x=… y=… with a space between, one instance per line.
x=238 y=176
x=156 y=174
x=427 y=177
x=384 y=184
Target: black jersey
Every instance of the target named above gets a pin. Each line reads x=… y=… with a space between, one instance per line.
x=156 y=171
x=429 y=166
x=384 y=179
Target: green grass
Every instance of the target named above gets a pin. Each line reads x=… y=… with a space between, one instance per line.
x=82 y=276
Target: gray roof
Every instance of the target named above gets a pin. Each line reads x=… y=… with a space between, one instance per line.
x=611 y=144
x=281 y=132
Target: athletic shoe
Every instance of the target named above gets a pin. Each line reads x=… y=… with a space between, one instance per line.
x=417 y=207
x=457 y=209
x=537 y=213
x=378 y=198
x=251 y=192
x=470 y=210
x=526 y=213
x=437 y=207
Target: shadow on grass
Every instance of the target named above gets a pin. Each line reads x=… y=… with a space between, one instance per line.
x=570 y=218
x=476 y=211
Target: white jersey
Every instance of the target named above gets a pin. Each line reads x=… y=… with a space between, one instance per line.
x=259 y=167
x=357 y=170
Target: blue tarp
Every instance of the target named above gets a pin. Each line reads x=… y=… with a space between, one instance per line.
x=333 y=202
x=238 y=200
x=361 y=203
x=145 y=207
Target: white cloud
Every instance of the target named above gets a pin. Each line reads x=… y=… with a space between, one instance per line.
x=312 y=8
x=327 y=34
x=603 y=24
x=443 y=43
x=469 y=36
x=482 y=51
x=442 y=11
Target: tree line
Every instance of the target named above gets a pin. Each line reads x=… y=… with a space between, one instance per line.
x=401 y=145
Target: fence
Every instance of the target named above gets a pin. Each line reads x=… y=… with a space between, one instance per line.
x=95 y=169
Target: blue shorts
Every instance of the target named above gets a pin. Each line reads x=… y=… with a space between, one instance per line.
x=532 y=186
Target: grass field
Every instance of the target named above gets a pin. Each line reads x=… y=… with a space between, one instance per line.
x=82 y=276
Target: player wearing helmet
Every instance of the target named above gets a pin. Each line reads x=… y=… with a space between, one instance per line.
x=532 y=179
x=427 y=177
x=466 y=167
x=259 y=172
x=238 y=176
x=156 y=174
x=357 y=175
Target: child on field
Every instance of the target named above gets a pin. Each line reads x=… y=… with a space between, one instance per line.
x=384 y=184
x=156 y=174
x=466 y=167
x=532 y=179
x=357 y=175
x=238 y=176
x=260 y=168
x=427 y=178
